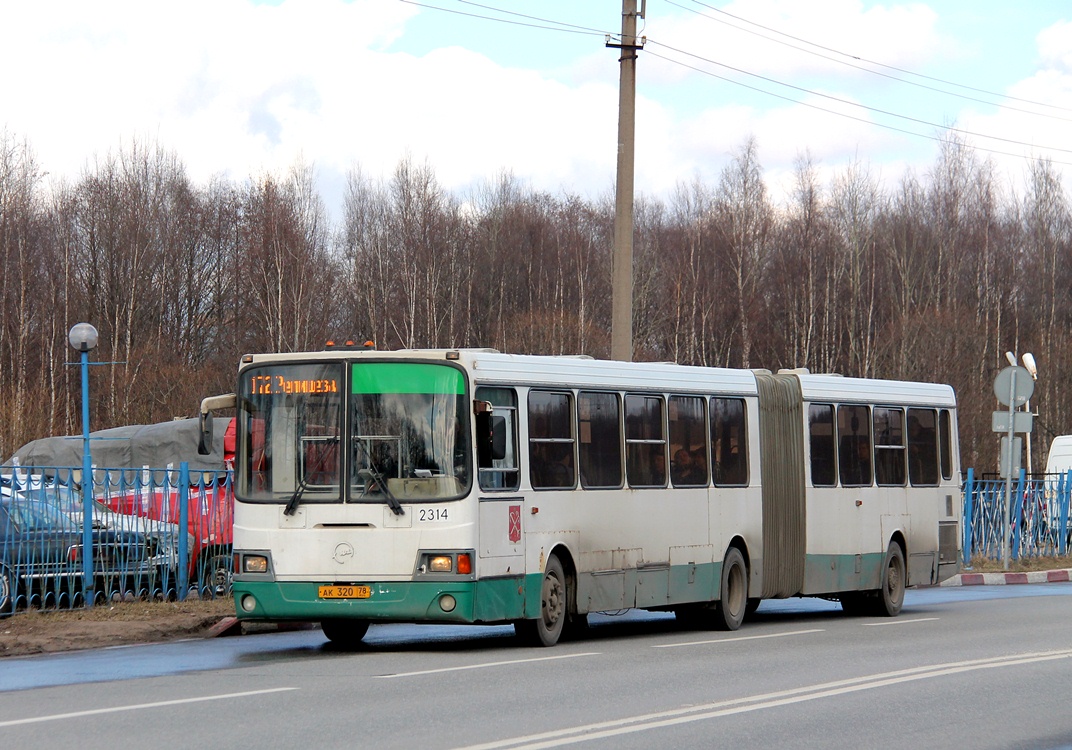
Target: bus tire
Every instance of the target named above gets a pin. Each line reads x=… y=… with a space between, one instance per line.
x=891 y=595
x=546 y=629
x=7 y=591
x=345 y=633
x=733 y=593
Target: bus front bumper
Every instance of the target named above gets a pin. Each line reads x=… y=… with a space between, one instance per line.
x=497 y=600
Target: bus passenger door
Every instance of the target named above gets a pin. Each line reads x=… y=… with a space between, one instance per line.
x=501 y=541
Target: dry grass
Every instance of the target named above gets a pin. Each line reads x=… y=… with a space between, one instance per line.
x=111 y=624
x=1022 y=565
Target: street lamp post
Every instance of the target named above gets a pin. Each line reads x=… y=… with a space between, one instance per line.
x=83 y=339
x=1029 y=363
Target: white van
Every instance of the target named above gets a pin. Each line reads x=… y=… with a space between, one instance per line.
x=1060 y=458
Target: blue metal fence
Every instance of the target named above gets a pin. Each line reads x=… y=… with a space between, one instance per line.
x=155 y=534
x=166 y=534
x=1038 y=524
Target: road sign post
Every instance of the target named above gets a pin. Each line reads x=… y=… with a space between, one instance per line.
x=1013 y=387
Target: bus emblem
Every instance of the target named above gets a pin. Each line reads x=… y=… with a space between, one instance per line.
x=515 y=523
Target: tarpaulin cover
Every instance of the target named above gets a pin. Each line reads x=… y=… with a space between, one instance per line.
x=154 y=445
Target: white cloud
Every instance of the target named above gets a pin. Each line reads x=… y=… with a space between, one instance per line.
x=237 y=88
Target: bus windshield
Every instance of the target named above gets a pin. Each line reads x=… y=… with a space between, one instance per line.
x=407 y=433
x=290 y=417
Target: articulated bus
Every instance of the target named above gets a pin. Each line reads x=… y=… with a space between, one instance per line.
x=471 y=486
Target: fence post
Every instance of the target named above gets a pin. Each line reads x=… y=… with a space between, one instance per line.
x=1018 y=515
x=969 y=492
x=184 y=530
x=1064 y=492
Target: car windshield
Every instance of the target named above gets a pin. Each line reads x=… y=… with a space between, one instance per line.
x=28 y=515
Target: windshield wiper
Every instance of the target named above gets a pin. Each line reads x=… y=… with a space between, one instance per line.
x=295 y=499
x=376 y=479
x=373 y=472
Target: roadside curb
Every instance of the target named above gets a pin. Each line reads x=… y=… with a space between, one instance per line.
x=226 y=626
x=233 y=626
x=998 y=579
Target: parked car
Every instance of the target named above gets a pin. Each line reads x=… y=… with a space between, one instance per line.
x=129 y=481
x=210 y=520
x=41 y=555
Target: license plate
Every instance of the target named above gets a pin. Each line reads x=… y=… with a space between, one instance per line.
x=345 y=592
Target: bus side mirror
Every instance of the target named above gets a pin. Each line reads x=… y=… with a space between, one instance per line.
x=490 y=439
x=204 y=443
x=498 y=438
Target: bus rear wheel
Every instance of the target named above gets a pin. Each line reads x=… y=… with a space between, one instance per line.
x=345 y=633
x=733 y=594
x=546 y=629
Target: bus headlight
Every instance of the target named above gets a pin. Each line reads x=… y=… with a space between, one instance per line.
x=254 y=564
x=441 y=564
x=447 y=603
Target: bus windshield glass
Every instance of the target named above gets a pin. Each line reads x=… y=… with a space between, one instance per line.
x=408 y=432
x=291 y=416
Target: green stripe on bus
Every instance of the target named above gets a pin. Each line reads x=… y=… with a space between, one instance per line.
x=405 y=377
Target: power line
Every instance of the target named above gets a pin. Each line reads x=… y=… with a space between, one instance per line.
x=850 y=103
x=564 y=26
x=556 y=25
x=831 y=111
x=553 y=25
x=870 y=62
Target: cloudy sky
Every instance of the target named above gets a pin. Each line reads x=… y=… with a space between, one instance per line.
x=238 y=87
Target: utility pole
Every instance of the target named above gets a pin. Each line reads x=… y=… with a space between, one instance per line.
x=621 y=330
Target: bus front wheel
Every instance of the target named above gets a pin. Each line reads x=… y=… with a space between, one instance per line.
x=345 y=633
x=733 y=594
x=546 y=629
x=891 y=595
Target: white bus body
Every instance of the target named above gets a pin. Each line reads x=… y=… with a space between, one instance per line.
x=470 y=486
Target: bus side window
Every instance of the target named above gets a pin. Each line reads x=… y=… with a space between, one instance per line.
x=551 y=464
x=854 y=446
x=922 y=447
x=729 y=442
x=501 y=473
x=945 y=426
x=889 y=446
x=688 y=441
x=599 y=440
x=645 y=441
x=823 y=448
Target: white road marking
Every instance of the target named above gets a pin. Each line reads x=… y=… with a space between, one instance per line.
x=485 y=665
x=741 y=638
x=644 y=722
x=139 y=706
x=900 y=621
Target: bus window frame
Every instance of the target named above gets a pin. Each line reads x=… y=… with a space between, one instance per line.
x=638 y=451
x=538 y=465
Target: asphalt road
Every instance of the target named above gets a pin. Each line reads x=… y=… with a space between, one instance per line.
x=980 y=667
